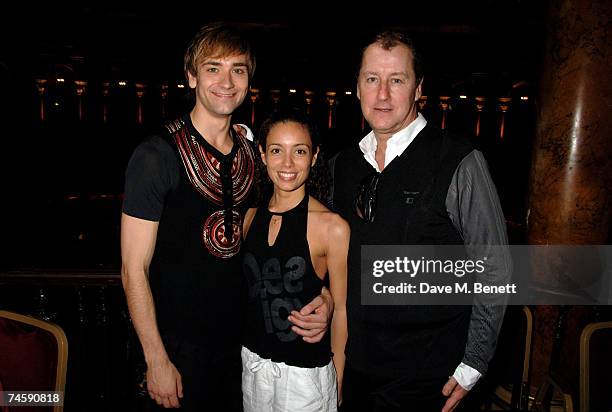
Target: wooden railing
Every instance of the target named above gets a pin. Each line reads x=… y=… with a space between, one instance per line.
x=104 y=362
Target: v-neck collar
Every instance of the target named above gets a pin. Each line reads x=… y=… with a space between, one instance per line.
x=209 y=147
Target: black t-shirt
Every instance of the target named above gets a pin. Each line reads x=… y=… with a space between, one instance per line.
x=199 y=196
x=152 y=172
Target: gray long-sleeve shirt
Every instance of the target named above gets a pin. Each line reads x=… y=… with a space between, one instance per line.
x=474 y=208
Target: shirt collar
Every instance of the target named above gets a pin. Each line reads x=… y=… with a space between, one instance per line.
x=396 y=143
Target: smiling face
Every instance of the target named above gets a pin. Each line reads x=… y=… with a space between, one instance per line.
x=387 y=88
x=221 y=84
x=288 y=155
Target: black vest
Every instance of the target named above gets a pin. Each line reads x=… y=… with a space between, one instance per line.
x=281 y=278
x=195 y=274
x=416 y=342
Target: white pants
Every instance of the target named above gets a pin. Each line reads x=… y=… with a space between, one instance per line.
x=276 y=387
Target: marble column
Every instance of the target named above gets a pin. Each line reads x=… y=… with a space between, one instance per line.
x=308 y=98
x=164 y=100
x=331 y=103
x=140 y=92
x=254 y=98
x=444 y=106
x=275 y=94
x=480 y=104
x=105 y=102
x=571 y=174
x=572 y=164
x=81 y=87
x=503 y=104
x=41 y=86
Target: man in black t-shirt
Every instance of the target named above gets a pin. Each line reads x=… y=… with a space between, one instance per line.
x=186 y=193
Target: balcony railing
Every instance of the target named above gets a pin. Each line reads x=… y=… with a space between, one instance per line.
x=105 y=366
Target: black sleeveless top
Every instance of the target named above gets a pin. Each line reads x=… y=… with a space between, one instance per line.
x=281 y=278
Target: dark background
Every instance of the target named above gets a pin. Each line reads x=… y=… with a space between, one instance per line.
x=62 y=179
x=299 y=41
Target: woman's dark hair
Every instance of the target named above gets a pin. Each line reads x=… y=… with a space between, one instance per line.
x=317 y=184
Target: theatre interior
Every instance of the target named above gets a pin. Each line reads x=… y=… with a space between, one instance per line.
x=527 y=82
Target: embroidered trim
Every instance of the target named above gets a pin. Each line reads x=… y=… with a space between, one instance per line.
x=204 y=169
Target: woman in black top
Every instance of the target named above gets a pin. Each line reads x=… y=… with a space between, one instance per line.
x=293 y=246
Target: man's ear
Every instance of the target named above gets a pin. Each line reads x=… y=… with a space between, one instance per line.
x=193 y=80
x=314 y=158
x=358 y=94
x=419 y=91
x=262 y=154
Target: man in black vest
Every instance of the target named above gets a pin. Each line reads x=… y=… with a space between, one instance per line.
x=186 y=193
x=407 y=182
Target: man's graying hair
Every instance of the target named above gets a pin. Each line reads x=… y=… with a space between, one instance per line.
x=388 y=39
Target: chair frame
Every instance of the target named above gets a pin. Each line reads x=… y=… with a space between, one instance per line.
x=585 y=340
x=62 y=346
x=518 y=398
x=523 y=397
